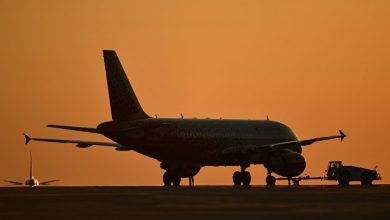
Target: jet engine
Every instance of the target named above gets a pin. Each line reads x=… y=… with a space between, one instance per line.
x=181 y=170
x=287 y=163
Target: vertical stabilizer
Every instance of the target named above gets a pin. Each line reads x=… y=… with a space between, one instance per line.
x=123 y=101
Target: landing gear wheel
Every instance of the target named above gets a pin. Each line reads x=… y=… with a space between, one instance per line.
x=344 y=178
x=270 y=180
x=176 y=180
x=237 y=178
x=246 y=178
x=167 y=179
x=366 y=178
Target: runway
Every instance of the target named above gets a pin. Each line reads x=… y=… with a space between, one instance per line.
x=199 y=202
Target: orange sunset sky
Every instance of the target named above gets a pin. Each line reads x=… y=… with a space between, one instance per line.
x=317 y=66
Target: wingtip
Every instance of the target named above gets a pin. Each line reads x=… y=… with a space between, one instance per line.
x=342 y=135
x=28 y=139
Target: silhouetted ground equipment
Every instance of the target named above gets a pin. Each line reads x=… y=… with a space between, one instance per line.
x=345 y=174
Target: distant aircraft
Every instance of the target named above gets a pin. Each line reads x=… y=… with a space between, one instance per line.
x=31 y=181
x=183 y=146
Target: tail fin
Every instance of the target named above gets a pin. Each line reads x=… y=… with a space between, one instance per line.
x=123 y=101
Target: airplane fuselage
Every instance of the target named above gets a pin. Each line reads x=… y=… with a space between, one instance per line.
x=180 y=139
x=32 y=182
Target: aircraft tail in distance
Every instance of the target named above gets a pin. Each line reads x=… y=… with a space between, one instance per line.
x=31 y=165
x=123 y=101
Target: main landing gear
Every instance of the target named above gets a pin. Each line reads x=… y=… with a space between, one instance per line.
x=170 y=179
x=174 y=180
x=243 y=177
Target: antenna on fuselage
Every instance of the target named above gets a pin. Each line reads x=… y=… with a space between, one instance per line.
x=181 y=115
x=267 y=118
x=155 y=116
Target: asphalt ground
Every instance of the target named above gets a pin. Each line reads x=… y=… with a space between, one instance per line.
x=199 y=202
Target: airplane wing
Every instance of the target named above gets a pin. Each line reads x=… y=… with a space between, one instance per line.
x=81 y=144
x=13 y=182
x=48 y=182
x=307 y=141
x=281 y=145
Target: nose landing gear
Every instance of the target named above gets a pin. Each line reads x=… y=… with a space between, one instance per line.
x=270 y=180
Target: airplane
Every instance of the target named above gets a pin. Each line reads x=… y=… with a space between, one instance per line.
x=31 y=181
x=183 y=146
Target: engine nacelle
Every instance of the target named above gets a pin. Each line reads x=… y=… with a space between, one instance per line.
x=82 y=145
x=287 y=163
x=181 y=170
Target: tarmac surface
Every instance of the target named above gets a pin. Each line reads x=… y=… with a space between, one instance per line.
x=199 y=202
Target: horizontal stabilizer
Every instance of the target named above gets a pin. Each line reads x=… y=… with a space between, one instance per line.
x=74 y=128
x=81 y=144
x=48 y=182
x=27 y=138
x=13 y=182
